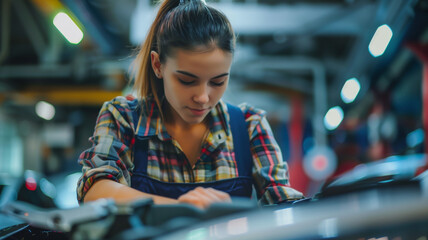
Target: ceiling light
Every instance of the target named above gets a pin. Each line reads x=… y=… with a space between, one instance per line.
x=350 y=90
x=380 y=40
x=68 y=28
x=45 y=110
x=333 y=118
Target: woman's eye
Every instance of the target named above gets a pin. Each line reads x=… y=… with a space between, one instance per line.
x=217 y=84
x=186 y=82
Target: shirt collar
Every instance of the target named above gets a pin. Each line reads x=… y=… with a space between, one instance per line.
x=220 y=119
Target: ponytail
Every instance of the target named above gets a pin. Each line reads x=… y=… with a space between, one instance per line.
x=145 y=81
x=182 y=24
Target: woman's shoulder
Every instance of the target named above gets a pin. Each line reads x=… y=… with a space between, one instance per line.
x=127 y=102
x=251 y=112
x=253 y=115
x=124 y=109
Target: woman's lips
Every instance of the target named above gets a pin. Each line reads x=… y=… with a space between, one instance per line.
x=198 y=112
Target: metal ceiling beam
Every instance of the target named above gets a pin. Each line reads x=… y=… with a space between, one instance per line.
x=360 y=63
x=318 y=87
x=96 y=26
x=257 y=19
x=34 y=32
x=64 y=95
x=36 y=71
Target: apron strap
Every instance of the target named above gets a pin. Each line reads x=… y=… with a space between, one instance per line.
x=141 y=147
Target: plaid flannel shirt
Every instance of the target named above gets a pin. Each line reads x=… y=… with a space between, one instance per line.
x=111 y=155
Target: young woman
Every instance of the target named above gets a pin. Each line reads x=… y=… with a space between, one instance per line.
x=178 y=142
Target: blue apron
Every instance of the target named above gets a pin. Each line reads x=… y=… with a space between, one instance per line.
x=240 y=186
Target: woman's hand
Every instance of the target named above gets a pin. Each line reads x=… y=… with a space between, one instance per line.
x=203 y=197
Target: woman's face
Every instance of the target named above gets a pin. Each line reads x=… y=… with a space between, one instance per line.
x=194 y=81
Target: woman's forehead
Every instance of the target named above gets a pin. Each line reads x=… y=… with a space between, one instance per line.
x=205 y=58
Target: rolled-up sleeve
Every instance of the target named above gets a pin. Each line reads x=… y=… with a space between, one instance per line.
x=110 y=156
x=270 y=172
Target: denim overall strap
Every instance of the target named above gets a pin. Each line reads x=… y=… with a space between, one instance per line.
x=141 y=145
x=241 y=141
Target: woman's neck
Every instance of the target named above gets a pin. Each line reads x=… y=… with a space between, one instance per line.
x=175 y=123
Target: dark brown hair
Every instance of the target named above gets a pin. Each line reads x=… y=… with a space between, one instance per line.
x=184 y=25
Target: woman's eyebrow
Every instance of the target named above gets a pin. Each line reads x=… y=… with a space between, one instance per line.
x=187 y=73
x=194 y=76
x=221 y=75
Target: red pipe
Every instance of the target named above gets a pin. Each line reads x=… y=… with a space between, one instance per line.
x=298 y=178
x=421 y=50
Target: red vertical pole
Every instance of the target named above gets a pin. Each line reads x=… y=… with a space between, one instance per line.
x=421 y=50
x=298 y=178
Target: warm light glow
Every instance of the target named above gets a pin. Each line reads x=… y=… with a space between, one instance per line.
x=333 y=118
x=320 y=162
x=31 y=184
x=380 y=40
x=350 y=90
x=45 y=110
x=68 y=28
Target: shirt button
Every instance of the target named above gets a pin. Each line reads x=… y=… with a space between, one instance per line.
x=220 y=136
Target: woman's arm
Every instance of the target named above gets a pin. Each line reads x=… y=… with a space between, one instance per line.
x=105 y=188
x=105 y=166
x=199 y=197
x=270 y=172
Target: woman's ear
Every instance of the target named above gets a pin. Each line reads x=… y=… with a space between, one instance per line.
x=156 y=64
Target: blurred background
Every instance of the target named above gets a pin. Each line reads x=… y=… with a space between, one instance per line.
x=342 y=80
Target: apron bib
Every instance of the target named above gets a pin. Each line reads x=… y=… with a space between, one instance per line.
x=240 y=186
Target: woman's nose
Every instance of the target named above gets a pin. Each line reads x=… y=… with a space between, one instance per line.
x=202 y=95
